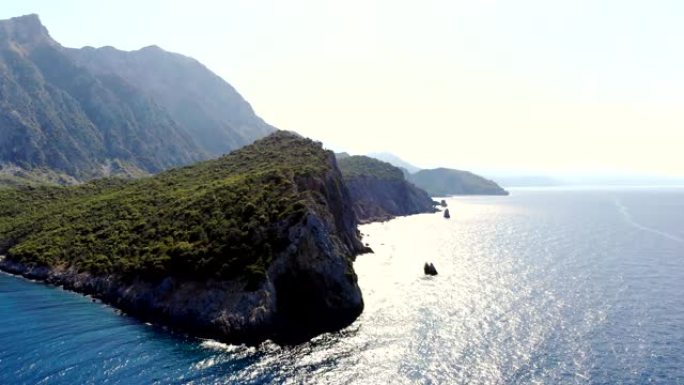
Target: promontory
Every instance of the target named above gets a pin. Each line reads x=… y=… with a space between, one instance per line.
x=255 y=245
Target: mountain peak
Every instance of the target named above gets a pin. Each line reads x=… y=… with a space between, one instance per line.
x=25 y=29
x=28 y=19
x=395 y=161
x=152 y=47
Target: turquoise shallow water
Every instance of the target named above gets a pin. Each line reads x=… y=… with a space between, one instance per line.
x=541 y=287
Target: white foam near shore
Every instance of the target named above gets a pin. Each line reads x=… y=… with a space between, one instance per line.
x=216 y=345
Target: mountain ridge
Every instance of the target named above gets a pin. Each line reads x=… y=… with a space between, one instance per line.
x=84 y=123
x=395 y=161
x=212 y=111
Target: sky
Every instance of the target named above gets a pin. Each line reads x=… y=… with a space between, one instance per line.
x=529 y=86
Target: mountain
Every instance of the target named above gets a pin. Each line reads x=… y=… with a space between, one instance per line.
x=257 y=244
x=395 y=161
x=53 y=114
x=61 y=113
x=379 y=190
x=209 y=109
x=342 y=155
x=445 y=182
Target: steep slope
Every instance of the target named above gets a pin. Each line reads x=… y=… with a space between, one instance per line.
x=379 y=190
x=79 y=114
x=203 y=104
x=394 y=161
x=55 y=115
x=257 y=244
x=444 y=182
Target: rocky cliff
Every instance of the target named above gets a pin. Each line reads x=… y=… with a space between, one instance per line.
x=379 y=190
x=167 y=249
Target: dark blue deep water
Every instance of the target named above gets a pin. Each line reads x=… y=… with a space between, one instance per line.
x=546 y=286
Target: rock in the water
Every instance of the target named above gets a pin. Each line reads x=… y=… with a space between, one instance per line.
x=446 y=214
x=429 y=269
x=443 y=203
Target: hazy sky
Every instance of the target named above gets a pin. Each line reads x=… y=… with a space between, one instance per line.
x=485 y=84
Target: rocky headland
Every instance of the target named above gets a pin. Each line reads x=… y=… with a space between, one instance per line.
x=379 y=190
x=256 y=245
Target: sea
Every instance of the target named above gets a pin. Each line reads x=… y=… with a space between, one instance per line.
x=545 y=286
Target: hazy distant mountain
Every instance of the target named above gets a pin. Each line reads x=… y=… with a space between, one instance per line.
x=395 y=161
x=69 y=122
x=445 y=182
x=342 y=155
x=442 y=181
x=203 y=104
x=54 y=114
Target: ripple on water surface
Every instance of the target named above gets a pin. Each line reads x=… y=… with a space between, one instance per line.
x=542 y=287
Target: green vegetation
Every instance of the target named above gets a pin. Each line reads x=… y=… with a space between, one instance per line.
x=358 y=165
x=216 y=219
x=445 y=182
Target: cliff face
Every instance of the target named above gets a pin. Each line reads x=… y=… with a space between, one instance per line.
x=379 y=200
x=379 y=191
x=305 y=287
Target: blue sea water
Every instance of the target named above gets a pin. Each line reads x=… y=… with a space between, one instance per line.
x=548 y=286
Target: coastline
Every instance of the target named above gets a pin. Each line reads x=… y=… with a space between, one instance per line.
x=250 y=322
x=228 y=311
x=150 y=302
